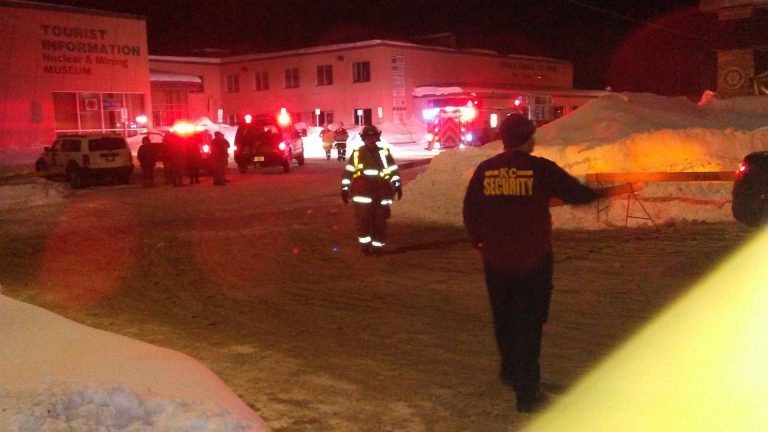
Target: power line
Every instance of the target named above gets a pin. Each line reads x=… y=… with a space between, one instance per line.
x=628 y=18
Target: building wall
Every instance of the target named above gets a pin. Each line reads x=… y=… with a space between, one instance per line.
x=396 y=69
x=51 y=49
x=209 y=100
x=735 y=70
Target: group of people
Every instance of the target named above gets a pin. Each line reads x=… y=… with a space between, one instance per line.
x=335 y=138
x=507 y=219
x=182 y=157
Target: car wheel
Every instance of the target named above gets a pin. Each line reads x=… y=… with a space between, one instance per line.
x=300 y=158
x=287 y=165
x=76 y=180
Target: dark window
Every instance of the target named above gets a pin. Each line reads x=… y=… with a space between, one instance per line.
x=106 y=144
x=261 y=81
x=363 y=116
x=70 y=145
x=325 y=75
x=361 y=71
x=233 y=83
x=292 y=78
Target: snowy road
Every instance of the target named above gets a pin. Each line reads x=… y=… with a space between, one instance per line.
x=262 y=281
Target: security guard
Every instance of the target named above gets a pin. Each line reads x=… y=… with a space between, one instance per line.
x=506 y=214
x=371 y=179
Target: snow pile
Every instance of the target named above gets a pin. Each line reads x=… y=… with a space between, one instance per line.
x=31 y=193
x=58 y=375
x=619 y=133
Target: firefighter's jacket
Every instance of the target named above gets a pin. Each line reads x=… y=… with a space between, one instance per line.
x=506 y=208
x=341 y=135
x=371 y=176
x=327 y=137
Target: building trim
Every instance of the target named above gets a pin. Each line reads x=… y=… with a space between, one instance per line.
x=375 y=43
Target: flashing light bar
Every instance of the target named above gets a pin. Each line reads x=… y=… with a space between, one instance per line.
x=284 y=119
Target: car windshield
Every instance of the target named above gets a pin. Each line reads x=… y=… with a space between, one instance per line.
x=106 y=143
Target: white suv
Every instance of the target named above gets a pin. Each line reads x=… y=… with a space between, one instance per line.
x=80 y=158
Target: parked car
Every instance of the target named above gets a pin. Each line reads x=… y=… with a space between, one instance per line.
x=750 y=190
x=82 y=158
x=264 y=141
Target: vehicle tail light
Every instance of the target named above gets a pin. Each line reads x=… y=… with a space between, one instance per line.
x=206 y=148
x=284 y=119
x=86 y=160
x=248 y=118
x=742 y=169
x=282 y=145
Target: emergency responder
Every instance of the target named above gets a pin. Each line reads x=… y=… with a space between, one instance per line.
x=147 y=156
x=327 y=136
x=340 y=137
x=219 y=158
x=507 y=218
x=371 y=180
x=194 y=160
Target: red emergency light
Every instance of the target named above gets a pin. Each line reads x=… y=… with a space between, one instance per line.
x=284 y=119
x=248 y=118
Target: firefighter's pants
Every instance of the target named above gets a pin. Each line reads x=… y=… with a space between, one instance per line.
x=372 y=222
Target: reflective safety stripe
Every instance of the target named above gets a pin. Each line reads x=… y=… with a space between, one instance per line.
x=395 y=178
x=364 y=240
x=374 y=243
x=371 y=172
x=386 y=202
x=350 y=168
x=346 y=181
x=362 y=199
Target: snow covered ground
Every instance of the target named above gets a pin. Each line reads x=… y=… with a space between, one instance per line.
x=76 y=377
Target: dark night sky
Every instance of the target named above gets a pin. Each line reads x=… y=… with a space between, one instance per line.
x=660 y=46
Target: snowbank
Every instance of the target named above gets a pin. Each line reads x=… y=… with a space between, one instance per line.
x=58 y=375
x=619 y=133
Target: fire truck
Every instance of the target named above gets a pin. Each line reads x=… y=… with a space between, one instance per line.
x=471 y=121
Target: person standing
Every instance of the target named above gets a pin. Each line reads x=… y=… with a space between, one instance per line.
x=371 y=180
x=507 y=219
x=147 y=156
x=219 y=158
x=340 y=136
x=327 y=136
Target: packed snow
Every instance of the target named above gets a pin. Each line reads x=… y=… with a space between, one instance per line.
x=622 y=133
x=57 y=375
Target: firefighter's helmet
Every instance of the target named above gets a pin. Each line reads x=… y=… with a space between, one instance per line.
x=370 y=130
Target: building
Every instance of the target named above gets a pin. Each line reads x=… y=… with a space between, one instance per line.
x=69 y=70
x=374 y=82
x=741 y=44
x=75 y=70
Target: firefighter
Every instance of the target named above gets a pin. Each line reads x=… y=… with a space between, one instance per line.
x=340 y=137
x=327 y=136
x=506 y=214
x=371 y=180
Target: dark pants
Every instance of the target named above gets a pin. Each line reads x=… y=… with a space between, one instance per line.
x=148 y=174
x=372 y=221
x=520 y=306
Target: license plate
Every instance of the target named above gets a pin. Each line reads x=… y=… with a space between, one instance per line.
x=109 y=158
x=258 y=158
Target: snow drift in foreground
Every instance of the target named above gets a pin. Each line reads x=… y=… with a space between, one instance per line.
x=619 y=133
x=58 y=375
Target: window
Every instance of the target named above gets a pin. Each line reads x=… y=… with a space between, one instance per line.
x=261 y=81
x=558 y=111
x=363 y=116
x=292 y=78
x=325 y=75
x=233 y=83
x=98 y=112
x=361 y=71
